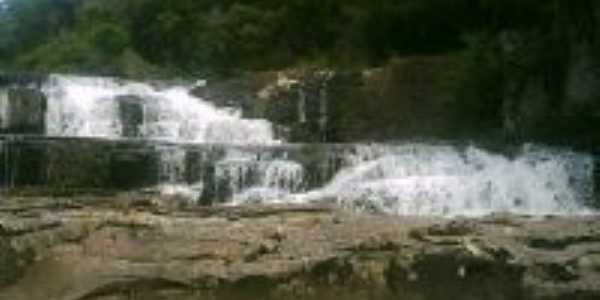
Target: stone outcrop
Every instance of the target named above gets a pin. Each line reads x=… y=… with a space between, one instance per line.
x=140 y=247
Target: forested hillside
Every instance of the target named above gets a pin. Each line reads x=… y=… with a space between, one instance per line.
x=153 y=37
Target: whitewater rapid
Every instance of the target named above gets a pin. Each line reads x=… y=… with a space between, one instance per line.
x=421 y=179
x=443 y=180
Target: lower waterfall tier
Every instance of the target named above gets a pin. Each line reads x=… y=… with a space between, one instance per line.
x=401 y=179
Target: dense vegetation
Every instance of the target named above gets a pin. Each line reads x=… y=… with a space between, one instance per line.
x=142 y=37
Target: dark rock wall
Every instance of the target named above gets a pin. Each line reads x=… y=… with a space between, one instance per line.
x=31 y=80
x=565 y=111
x=22 y=104
x=69 y=164
x=407 y=98
x=425 y=97
x=22 y=111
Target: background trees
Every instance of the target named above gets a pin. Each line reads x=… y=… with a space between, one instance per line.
x=190 y=36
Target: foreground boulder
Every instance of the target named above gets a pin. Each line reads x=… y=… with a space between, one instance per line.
x=130 y=247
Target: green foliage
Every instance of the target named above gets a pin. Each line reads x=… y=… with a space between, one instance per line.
x=480 y=88
x=131 y=64
x=192 y=36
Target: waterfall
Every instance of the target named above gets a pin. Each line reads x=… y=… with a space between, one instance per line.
x=190 y=148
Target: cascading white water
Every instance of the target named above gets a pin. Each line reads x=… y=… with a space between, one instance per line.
x=283 y=175
x=277 y=181
x=90 y=107
x=235 y=169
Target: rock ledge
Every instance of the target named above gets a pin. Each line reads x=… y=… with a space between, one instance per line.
x=73 y=249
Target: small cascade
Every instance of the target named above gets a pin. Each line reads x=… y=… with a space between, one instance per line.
x=234 y=173
x=3 y=108
x=277 y=181
x=283 y=175
x=249 y=177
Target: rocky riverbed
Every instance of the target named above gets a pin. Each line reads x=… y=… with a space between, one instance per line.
x=133 y=247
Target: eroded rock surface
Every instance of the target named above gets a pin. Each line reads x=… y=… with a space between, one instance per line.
x=129 y=247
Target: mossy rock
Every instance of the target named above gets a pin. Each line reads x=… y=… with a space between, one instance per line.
x=12 y=263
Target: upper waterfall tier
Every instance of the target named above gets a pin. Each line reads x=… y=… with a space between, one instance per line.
x=111 y=108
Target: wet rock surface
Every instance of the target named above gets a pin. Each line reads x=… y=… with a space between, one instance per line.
x=141 y=247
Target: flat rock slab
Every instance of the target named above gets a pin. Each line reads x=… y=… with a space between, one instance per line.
x=120 y=248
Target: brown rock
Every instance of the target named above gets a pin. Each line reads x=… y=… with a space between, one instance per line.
x=289 y=252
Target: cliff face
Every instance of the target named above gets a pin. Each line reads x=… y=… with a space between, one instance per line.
x=454 y=96
x=134 y=247
x=556 y=105
x=407 y=98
